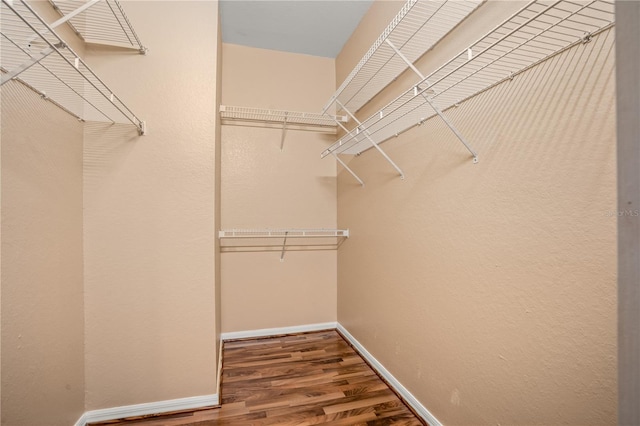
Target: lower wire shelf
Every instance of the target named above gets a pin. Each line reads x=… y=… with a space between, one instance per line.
x=282 y=240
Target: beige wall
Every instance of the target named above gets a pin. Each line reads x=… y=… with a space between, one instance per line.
x=218 y=194
x=149 y=212
x=42 y=295
x=489 y=290
x=263 y=187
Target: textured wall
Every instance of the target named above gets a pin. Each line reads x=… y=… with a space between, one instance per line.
x=263 y=187
x=149 y=215
x=489 y=290
x=42 y=300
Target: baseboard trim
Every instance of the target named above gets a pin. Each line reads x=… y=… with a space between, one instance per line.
x=82 y=421
x=158 y=407
x=180 y=404
x=376 y=365
x=233 y=335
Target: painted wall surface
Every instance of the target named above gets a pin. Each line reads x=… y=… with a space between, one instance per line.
x=263 y=187
x=149 y=214
x=42 y=291
x=489 y=290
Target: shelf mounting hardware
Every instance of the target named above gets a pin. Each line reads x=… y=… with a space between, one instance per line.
x=284 y=130
x=431 y=103
x=370 y=139
x=284 y=244
x=347 y=168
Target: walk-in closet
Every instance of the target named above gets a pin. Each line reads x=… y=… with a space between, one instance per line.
x=319 y=212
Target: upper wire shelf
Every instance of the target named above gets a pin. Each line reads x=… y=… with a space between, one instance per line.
x=34 y=55
x=535 y=33
x=417 y=27
x=279 y=116
x=99 y=21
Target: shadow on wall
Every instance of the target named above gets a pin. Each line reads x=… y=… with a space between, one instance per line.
x=106 y=146
x=538 y=99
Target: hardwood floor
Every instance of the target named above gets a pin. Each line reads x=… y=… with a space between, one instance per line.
x=303 y=379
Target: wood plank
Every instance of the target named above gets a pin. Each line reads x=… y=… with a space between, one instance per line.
x=302 y=379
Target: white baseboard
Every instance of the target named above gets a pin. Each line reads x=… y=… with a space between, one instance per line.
x=277 y=331
x=82 y=421
x=209 y=400
x=148 y=408
x=408 y=397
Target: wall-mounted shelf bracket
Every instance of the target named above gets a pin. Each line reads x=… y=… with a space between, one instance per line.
x=284 y=246
x=418 y=91
x=347 y=168
x=284 y=131
x=367 y=135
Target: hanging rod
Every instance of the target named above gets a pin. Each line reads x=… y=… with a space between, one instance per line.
x=33 y=54
x=103 y=22
x=535 y=33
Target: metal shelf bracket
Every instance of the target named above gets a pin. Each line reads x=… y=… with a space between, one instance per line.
x=370 y=139
x=431 y=102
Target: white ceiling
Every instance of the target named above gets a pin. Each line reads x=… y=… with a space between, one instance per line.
x=311 y=27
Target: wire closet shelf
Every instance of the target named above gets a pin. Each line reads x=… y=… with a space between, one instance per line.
x=535 y=33
x=100 y=22
x=417 y=27
x=35 y=55
x=261 y=240
x=274 y=116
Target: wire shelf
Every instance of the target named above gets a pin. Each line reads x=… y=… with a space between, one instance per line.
x=281 y=233
x=418 y=26
x=34 y=55
x=282 y=240
x=537 y=32
x=278 y=116
x=103 y=22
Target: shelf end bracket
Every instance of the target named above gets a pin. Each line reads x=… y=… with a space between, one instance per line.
x=284 y=131
x=348 y=169
x=367 y=134
x=284 y=245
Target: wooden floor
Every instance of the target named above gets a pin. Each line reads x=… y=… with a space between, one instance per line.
x=303 y=379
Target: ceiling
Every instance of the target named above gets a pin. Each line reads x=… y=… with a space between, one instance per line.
x=311 y=27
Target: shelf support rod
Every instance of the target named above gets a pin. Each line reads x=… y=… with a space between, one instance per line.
x=452 y=127
x=339 y=160
x=347 y=168
x=26 y=65
x=375 y=145
x=64 y=19
x=284 y=244
x=284 y=131
x=431 y=103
